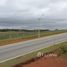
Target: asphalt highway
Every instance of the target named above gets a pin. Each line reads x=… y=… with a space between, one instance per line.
x=19 y=49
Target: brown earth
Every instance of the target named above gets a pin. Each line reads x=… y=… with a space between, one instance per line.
x=15 y=40
x=50 y=61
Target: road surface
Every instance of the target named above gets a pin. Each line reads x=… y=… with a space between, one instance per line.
x=19 y=49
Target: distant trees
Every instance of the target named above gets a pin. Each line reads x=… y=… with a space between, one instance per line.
x=5 y=30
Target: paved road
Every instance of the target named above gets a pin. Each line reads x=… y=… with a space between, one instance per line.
x=18 y=49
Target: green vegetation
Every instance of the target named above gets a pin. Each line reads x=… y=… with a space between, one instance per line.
x=60 y=49
x=27 y=34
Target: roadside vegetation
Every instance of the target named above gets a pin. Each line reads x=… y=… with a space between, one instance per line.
x=8 y=36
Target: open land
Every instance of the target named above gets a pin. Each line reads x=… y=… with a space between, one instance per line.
x=10 y=37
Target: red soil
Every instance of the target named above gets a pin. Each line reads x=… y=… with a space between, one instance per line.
x=10 y=41
x=48 y=62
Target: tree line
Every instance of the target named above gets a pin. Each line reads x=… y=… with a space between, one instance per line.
x=6 y=30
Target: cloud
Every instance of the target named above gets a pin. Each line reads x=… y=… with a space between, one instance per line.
x=2 y=2
x=25 y=11
x=33 y=8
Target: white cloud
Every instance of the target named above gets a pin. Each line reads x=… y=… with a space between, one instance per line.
x=50 y=8
x=29 y=9
x=2 y=2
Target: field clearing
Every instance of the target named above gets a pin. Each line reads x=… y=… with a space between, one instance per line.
x=60 y=49
x=13 y=37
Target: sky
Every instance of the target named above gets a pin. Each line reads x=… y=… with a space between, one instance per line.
x=33 y=14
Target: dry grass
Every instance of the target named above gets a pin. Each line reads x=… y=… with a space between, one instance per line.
x=14 y=37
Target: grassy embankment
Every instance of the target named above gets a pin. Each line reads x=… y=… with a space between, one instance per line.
x=13 y=37
x=60 y=49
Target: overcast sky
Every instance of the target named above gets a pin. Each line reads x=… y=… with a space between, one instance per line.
x=25 y=14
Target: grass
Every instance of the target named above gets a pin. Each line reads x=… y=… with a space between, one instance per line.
x=10 y=35
x=61 y=49
x=13 y=37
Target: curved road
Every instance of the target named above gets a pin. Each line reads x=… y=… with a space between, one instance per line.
x=19 y=49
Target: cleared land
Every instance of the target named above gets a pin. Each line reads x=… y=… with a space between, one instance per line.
x=13 y=37
x=47 y=62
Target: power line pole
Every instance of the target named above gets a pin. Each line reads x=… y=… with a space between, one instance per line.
x=39 y=29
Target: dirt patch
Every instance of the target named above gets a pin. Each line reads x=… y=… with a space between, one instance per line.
x=15 y=40
x=47 y=60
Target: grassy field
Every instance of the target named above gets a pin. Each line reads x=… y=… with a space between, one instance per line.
x=60 y=49
x=13 y=37
x=11 y=34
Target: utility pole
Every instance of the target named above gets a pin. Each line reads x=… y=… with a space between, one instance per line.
x=39 y=28
x=39 y=31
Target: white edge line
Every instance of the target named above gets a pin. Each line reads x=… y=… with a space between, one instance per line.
x=28 y=53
